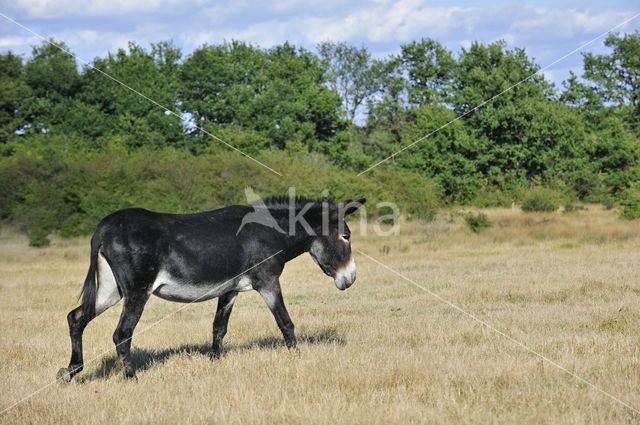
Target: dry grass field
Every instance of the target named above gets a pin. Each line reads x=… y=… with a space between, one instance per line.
x=384 y=351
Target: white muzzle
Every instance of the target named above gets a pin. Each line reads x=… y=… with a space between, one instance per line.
x=346 y=275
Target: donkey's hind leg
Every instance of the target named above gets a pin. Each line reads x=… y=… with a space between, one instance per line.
x=77 y=322
x=107 y=295
x=131 y=312
x=225 y=305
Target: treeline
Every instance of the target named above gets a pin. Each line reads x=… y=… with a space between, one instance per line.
x=76 y=143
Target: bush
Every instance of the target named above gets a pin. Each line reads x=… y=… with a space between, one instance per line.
x=71 y=194
x=488 y=197
x=571 y=207
x=541 y=199
x=477 y=222
x=387 y=216
x=631 y=205
x=38 y=238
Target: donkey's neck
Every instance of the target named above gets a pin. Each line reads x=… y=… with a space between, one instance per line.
x=297 y=237
x=297 y=244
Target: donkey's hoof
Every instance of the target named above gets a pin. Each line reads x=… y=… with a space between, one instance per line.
x=130 y=375
x=64 y=374
x=131 y=378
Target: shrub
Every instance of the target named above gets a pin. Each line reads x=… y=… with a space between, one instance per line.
x=387 y=216
x=38 y=238
x=71 y=194
x=477 y=222
x=571 y=207
x=488 y=197
x=541 y=199
x=631 y=205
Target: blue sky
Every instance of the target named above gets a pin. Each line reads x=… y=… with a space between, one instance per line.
x=546 y=29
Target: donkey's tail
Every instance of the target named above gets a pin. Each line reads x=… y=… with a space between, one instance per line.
x=90 y=288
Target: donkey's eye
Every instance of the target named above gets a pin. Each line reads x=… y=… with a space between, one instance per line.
x=345 y=236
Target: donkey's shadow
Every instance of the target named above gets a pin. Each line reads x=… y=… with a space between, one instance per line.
x=144 y=359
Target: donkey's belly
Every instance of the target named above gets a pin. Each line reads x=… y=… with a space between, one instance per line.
x=176 y=289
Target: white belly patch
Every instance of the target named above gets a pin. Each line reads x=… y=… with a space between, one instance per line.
x=171 y=288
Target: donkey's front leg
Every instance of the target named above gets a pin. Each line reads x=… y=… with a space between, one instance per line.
x=273 y=297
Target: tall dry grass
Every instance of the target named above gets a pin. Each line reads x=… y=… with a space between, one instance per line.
x=384 y=351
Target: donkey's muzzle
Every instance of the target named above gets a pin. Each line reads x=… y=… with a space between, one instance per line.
x=346 y=275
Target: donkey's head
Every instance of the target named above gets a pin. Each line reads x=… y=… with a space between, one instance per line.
x=331 y=248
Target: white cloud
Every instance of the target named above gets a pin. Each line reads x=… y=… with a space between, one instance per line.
x=84 y=41
x=310 y=21
x=266 y=33
x=408 y=20
x=48 y=9
x=567 y=23
x=405 y=20
x=11 y=42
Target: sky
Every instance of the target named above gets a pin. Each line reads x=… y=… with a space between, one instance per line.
x=548 y=30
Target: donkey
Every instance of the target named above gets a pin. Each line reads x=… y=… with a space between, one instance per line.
x=196 y=257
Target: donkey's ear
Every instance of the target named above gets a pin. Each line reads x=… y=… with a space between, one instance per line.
x=350 y=206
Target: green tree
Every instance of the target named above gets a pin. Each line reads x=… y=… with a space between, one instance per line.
x=390 y=104
x=54 y=81
x=614 y=153
x=580 y=95
x=429 y=68
x=280 y=94
x=608 y=100
x=449 y=156
x=296 y=99
x=502 y=126
x=388 y=112
x=616 y=76
x=349 y=74
x=218 y=83
x=117 y=109
x=13 y=91
x=167 y=57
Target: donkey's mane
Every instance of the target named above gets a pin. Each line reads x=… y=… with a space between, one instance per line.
x=281 y=202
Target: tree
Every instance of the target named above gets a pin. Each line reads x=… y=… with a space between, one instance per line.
x=167 y=57
x=448 y=156
x=429 y=67
x=388 y=112
x=349 y=74
x=219 y=83
x=279 y=94
x=13 y=91
x=580 y=95
x=502 y=126
x=118 y=110
x=54 y=81
x=296 y=99
x=390 y=103
x=616 y=76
